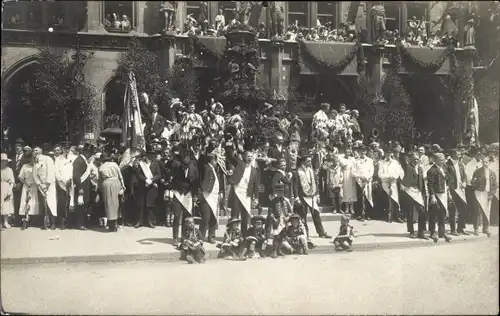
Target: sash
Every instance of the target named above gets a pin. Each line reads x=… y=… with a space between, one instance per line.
x=86 y=174
x=443 y=198
x=461 y=193
x=212 y=198
x=311 y=201
x=185 y=200
x=484 y=202
x=146 y=170
x=367 y=190
x=391 y=190
x=245 y=200
x=415 y=194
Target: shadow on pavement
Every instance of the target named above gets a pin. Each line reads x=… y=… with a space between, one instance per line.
x=402 y=235
x=150 y=241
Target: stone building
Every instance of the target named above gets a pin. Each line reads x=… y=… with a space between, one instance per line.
x=88 y=25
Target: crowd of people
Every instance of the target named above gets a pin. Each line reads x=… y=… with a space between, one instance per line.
x=201 y=166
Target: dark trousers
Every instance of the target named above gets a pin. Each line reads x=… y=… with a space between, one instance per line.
x=237 y=209
x=180 y=213
x=392 y=206
x=494 y=212
x=481 y=218
x=208 y=220
x=141 y=217
x=363 y=206
x=437 y=214
x=18 y=188
x=80 y=215
x=457 y=209
x=316 y=217
x=413 y=207
x=62 y=203
x=335 y=196
x=470 y=216
x=44 y=209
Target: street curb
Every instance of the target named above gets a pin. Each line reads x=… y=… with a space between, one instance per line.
x=212 y=254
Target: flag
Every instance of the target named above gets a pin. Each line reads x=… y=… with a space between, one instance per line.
x=137 y=128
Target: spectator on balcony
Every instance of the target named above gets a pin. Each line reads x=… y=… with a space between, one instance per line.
x=220 y=20
x=126 y=25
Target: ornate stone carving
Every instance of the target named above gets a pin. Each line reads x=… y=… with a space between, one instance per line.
x=169 y=9
x=243 y=10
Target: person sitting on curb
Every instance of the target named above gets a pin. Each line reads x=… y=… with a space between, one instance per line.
x=192 y=243
x=256 y=240
x=344 y=239
x=233 y=244
x=294 y=237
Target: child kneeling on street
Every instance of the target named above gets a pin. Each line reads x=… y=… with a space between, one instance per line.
x=192 y=243
x=256 y=240
x=294 y=237
x=233 y=245
x=344 y=239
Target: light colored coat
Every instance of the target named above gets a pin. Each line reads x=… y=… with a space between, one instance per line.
x=44 y=173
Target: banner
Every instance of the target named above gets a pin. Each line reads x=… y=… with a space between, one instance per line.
x=137 y=127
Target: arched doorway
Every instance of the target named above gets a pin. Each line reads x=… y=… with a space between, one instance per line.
x=21 y=114
x=114 y=94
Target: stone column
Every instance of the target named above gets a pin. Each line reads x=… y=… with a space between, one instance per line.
x=404 y=18
x=276 y=73
x=368 y=19
x=213 y=7
x=95 y=16
x=313 y=13
x=467 y=102
x=377 y=67
x=180 y=15
x=168 y=53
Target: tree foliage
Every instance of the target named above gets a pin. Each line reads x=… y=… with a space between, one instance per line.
x=50 y=99
x=182 y=80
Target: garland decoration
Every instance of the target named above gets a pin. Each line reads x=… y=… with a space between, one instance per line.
x=414 y=65
x=303 y=53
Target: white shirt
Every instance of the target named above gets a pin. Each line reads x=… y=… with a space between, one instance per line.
x=472 y=166
x=390 y=169
x=364 y=168
x=245 y=179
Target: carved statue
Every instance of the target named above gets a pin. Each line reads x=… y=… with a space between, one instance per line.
x=378 y=22
x=277 y=18
x=243 y=9
x=169 y=8
x=470 y=33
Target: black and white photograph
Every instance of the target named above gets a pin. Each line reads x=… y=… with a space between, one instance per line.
x=249 y=157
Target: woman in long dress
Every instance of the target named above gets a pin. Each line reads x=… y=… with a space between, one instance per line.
x=112 y=187
x=30 y=204
x=349 y=184
x=6 y=196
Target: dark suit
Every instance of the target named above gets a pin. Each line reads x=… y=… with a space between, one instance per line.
x=437 y=183
x=208 y=219
x=317 y=163
x=183 y=184
x=252 y=190
x=478 y=183
x=456 y=204
x=154 y=127
x=146 y=195
x=79 y=168
x=16 y=165
x=414 y=179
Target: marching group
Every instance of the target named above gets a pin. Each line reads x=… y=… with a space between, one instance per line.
x=204 y=165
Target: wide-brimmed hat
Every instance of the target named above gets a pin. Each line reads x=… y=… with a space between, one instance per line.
x=233 y=220
x=294 y=216
x=258 y=218
x=3 y=157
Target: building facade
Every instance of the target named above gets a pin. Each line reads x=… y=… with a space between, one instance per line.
x=66 y=25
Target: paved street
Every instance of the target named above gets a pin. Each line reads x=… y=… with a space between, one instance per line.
x=449 y=279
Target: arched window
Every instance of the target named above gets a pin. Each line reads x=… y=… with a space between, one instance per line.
x=113 y=104
x=119 y=16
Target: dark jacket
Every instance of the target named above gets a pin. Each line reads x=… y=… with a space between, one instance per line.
x=239 y=169
x=149 y=193
x=79 y=168
x=208 y=179
x=414 y=179
x=280 y=184
x=155 y=127
x=478 y=181
x=436 y=181
x=179 y=181
x=453 y=175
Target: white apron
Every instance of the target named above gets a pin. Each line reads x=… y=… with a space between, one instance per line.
x=415 y=194
x=443 y=198
x=185 y=199
x=212 y=198
x=391 y=190
x=482 y=198
x=367 y=191
x=310 y=201
x=241 y=189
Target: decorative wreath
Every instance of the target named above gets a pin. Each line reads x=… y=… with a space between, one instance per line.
x=414 y=65
x=304 y=53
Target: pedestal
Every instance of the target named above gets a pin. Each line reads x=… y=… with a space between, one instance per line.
x=377 y=69
x=168 y=51
x=276 y=73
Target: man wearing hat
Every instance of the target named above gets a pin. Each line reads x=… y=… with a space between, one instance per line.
x=306 y=194
x=244 y=185
x=44 y=174
x=474 y=164
x=437 y=186
x=149 y=175
x=363 y=173
x=294 y=237
x=233 y=244
x=457 y=184
x=256 y=239
x=81 y=182
x=16 y=168
x=484 y=183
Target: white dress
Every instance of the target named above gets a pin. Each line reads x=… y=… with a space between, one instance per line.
x=349 y=186
x=30 y=191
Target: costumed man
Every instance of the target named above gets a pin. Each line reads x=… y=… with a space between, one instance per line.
x=63 y=173
x=474 y=164
x=155 y=125
x=389 y=171
x=437 y=185
x=212 y=187
x=458 y=183
x=257 y=238
x=306 y=194
x=184 y=186
x=294 y=238
x=320 y=123
x=81 y=183
x=149 y=174
x=191 y=122
x=415 y=195
x=17 y=163
x=244 y=185
x=281 y=209
x=363 y=173
x=217 y=122
x=233 y=244
x=44 y=174
x=484 y=183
